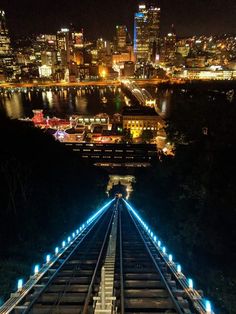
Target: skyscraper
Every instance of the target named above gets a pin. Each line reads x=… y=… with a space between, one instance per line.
x=64 y=43
x=121 y=37
x=146 y=33
x=170 y=46
x=5 y=48
x=154 y=31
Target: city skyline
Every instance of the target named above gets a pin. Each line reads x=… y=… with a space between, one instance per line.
x=189 y=17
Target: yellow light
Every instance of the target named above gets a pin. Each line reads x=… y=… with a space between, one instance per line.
x=104 y=73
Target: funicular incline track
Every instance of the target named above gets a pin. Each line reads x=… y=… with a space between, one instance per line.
x=114 y=266
x=71 y=290
x=144 y=290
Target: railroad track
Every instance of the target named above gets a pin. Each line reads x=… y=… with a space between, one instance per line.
x=115 y=265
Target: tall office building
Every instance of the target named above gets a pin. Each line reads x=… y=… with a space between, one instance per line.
x=146 y=33
x=170 y=46
x=121 y=37
x=64 y=46
x=154 y=32
x=5 y=47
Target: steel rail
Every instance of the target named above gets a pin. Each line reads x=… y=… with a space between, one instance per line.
x=193 y=296
x=88 y=297
x=68 y=283
x=173 y=299
x=122 y=303
x=39 y=294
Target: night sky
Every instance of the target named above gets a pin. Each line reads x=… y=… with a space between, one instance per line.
x=98 y=18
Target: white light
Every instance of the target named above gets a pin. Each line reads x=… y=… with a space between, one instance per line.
x=69 y=239
x=63 y=244
x=190 y=283
x=208 y=306
x=179 y=269
x=56 y=250
x=159 y=243
x=73 y=234
x=170 y=258
x=36 y=269
x=19 y=284
x=155 y=238
x=151 y=234
x=77 y=231
x=164 y=249
x=83 y=226
x=80 y=228
x=48 y=257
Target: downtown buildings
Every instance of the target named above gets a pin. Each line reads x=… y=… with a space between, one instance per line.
x=6 y=60
x=68 y=56
x=147 y=33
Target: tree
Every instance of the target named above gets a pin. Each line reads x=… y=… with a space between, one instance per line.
x=147 y=135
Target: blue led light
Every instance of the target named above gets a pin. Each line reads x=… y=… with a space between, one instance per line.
x=190 y=283
x=179 y=268
x=36 y=269
x=20 y=284
x=73 y=235
x=68 y=239
x=63 y=244
x=48 y=257
x=208 y=306
x=56 y=250
x=77 y=231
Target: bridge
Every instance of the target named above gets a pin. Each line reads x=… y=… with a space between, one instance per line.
x=141 y=94
x=112 y=263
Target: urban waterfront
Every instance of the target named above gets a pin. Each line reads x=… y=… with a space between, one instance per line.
x=65 y=101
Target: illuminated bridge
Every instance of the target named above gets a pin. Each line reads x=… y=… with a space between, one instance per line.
x=141 y=94
x=113 y=263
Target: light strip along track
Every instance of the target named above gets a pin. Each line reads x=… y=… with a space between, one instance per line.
x=198 y=303
x=61 y=255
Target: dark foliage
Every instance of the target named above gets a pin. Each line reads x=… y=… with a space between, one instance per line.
x=45 y=192
x=191 y=198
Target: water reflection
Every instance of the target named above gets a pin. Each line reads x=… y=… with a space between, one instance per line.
x=62 y=102
x=13 y=106
x=81 y=103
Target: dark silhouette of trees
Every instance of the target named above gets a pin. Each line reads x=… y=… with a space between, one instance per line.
x=191 y=198
x=45 y=192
